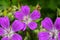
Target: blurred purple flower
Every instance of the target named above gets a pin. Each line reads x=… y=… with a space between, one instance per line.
x=9 y=32
x=52 y=32
x=27 y=18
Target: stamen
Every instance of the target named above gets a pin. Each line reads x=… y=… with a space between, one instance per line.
x=54 y=33
x=27 y=19
x=8 y=33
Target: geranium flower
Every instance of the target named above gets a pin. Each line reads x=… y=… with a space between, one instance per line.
x=7 y=31
x=27 y=18
x=52 y=32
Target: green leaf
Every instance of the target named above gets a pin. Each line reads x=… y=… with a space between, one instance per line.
x=4 y=4
x=52 y=5
x=39 y=20
x=5 y=12
x=14 y=2
x=58 y=12
x=10 y=16
x=32 y=8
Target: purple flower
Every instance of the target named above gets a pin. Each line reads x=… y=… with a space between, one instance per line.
x=28 y=19
x=52 y=32
x=7 y=31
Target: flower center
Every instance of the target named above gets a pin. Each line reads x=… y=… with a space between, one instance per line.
x=27 y=19
x=8 y=32
x=54 y=33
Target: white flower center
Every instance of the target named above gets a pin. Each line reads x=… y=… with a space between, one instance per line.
x=27 y=19
x=54 y=33
x=8 y=33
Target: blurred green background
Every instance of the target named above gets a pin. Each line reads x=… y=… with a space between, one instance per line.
x=47 y=8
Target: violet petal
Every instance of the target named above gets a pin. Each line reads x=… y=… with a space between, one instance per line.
x=43 y=35
x=32 y=25
x=25 y=9
x=16 y=37
x=5 y=38
x=47 y=23
x=35 y=15
x=17 y=25
x=1 y=31
x=19 y=15
x=5 y=23
x=57 y=24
